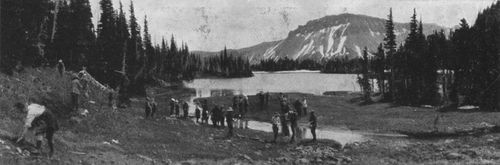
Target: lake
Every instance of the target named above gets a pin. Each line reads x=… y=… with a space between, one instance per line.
x=312 y=82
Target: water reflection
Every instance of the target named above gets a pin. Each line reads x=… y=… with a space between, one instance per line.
x=303 y=132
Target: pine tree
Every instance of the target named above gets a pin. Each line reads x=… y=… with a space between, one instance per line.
x=390 y=46
x=123 y=38
x=82 y=34
x=106 y=44
x=134 y=51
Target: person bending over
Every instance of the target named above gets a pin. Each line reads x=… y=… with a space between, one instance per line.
x=39 y=120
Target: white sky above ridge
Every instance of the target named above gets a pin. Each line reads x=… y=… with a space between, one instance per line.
x=209 y=25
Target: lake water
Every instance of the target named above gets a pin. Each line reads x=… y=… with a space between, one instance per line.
x=311 y=82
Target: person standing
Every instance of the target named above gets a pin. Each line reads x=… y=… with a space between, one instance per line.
x=177 y=108
x=204 y=116
x=244 y=104
x=313 y=122
x=229 y=120
x=236 y=102
x=304 y=105
x=298 y=107
x=185 y=109
x=275 y=120
x=284 y=124
x=147 y=108
x=222 y=116
x=214 y=115
x=154 y=106
x=172 y=106
x=292 y=115
x=60 y=67
x=197 y=113
x=76 y=87
x=41 y=121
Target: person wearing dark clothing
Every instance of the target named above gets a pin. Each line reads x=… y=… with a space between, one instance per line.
x=236 y=102
x=154 y=106
x=204 y=116
x=222 y=117
x=292 y=115
x=313 y=122
x=60 y=67
x=284 y=125
x=275 y=122
x=244 y=105
x=298 y=107
x=177 y=109
x=148 y=107
x=214 y=115
x=41 y=121
x=185 y=108
x=172 y=106
x=197 y=113
x=229 y=120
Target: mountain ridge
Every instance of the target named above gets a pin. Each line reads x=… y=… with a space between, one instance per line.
x=331 y=36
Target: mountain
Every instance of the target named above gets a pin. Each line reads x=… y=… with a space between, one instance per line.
x=332 y=36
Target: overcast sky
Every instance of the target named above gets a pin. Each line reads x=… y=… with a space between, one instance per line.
x=209 y=25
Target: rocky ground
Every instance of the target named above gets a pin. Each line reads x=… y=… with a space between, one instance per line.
x=107 y=136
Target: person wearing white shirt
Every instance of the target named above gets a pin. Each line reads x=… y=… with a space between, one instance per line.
x=39 y=120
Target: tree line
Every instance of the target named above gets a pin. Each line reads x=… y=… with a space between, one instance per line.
x=285 y=64
x=42 y=32
x=226 y=65
x=465 y=63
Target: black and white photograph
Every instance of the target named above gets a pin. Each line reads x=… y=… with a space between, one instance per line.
x=243 y=82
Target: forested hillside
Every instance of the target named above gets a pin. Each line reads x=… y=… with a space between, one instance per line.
x=40 y=33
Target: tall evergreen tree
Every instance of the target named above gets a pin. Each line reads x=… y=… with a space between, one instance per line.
x=390 y=46
x=82 y=33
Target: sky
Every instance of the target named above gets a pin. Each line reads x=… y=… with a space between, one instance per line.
x=209 y=25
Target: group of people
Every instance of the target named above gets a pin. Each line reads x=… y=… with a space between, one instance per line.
x=289 y=114
x=175 y=108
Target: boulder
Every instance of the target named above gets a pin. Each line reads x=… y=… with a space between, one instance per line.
x=302 y=161
x=454 y=156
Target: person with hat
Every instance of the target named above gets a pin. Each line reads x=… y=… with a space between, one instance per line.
x=41 y=121
x=172 y=106
x=313 y=123
x=275 y=121
x=60 y=67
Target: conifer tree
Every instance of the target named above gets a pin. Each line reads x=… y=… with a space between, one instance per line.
x=390 y=46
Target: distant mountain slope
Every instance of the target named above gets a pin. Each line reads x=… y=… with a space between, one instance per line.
x=328 y=37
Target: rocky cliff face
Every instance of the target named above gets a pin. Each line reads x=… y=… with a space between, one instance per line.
x=328 y=37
